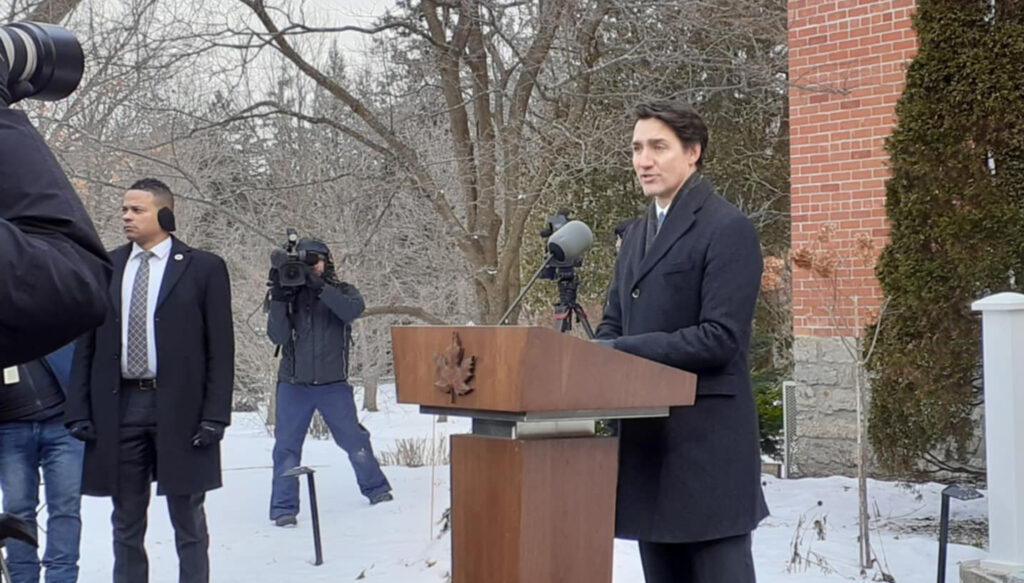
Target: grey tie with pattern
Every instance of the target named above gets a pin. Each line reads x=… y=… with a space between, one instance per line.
x=138 y=349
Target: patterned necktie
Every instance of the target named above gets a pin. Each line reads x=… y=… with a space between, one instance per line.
x=138 y=350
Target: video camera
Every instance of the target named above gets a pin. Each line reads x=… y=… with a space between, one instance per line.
x=292 y=265
x=44 y=61
x=559 y=269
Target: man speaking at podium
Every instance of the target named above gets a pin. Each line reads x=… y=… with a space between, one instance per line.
x=683 y=294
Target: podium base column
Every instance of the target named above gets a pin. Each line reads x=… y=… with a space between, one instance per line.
x=533 y=510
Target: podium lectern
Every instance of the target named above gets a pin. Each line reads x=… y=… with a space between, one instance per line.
x=533 y=488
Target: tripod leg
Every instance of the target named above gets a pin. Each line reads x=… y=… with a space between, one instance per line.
x=567 y=324
x=563 y=318
x=581 y=317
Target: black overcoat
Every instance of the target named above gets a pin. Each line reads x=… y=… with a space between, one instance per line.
x=688 y=302
x=195 y=373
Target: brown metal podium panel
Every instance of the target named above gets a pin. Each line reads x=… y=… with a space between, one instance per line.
x=496 y=371
x=521 y=369
x=533 y=511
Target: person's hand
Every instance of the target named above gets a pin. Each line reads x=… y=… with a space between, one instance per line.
x=209 y=433
x=10 y=94
x=314 y=281
x=609 y=342
x=282 y=294
x=279 y=293
x=83 y=431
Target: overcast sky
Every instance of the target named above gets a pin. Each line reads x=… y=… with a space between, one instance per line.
x=348 y=13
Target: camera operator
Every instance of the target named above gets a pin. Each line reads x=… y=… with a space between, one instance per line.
x=34 y=441
x=312 y=321
x=53 y=268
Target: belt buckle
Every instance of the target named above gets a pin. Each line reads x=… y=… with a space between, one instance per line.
x=141 y=384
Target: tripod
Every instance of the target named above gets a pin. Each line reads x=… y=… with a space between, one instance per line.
x=567 y=306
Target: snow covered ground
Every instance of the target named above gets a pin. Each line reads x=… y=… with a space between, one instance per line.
x=393 y=542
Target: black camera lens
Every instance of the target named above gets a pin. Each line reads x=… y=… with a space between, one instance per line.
x=45 y=56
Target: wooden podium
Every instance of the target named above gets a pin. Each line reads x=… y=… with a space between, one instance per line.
x=533 y=488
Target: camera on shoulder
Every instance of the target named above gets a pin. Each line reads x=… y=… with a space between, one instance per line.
x=293 y=264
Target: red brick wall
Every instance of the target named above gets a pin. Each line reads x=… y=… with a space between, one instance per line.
x=847 y=60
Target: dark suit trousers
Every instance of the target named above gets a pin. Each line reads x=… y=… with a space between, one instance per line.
x=131 y=504
x=726 y=560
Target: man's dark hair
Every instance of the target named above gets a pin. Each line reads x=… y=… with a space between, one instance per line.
x=161 y=192
x=681 y=117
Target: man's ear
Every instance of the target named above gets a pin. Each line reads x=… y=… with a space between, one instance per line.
x=165 y=218
x=693 y=153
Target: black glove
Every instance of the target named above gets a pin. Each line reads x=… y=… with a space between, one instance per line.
x=283 y=294
x=9 y=95
x=314 y=281
x=82 y=431
x=609 y=342
x=209 y=433
x=277 y=292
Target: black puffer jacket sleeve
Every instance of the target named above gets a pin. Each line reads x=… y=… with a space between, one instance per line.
x=54 y=270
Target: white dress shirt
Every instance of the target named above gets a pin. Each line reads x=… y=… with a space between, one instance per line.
x=661 y=212
x=157 y=265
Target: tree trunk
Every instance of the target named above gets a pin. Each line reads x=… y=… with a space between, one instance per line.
x=862 y=448
x=370 y=380
x=271 y=419
x=53 y=11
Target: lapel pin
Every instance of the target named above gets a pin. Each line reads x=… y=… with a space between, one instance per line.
x=179 y=257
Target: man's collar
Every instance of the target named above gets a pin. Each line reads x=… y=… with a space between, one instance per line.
x=161 y=250
x=683 y=190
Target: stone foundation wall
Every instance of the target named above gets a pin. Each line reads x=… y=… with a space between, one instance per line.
x=825 y=441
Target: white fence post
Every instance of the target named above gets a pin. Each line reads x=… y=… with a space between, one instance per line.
x=1003 y=351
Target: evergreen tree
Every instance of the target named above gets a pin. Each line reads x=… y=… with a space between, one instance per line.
x=955 y=203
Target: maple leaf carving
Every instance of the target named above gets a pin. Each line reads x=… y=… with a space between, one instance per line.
x=453 y=370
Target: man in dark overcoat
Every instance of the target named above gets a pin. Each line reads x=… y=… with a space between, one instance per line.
x=151 y=388
x=683 y=294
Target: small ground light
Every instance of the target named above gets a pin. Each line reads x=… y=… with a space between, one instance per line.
x=960 y=493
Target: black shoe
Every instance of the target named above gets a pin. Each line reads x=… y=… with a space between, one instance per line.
x=382 y=497
x=285 y=521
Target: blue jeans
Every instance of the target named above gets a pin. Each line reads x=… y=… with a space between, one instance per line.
x=295 y=406
x=25 y=447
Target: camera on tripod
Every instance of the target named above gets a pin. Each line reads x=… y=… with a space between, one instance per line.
x=564 y=268
x=291 y=264
x=567 y=241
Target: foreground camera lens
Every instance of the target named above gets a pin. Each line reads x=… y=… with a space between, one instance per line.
x=45 y=56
